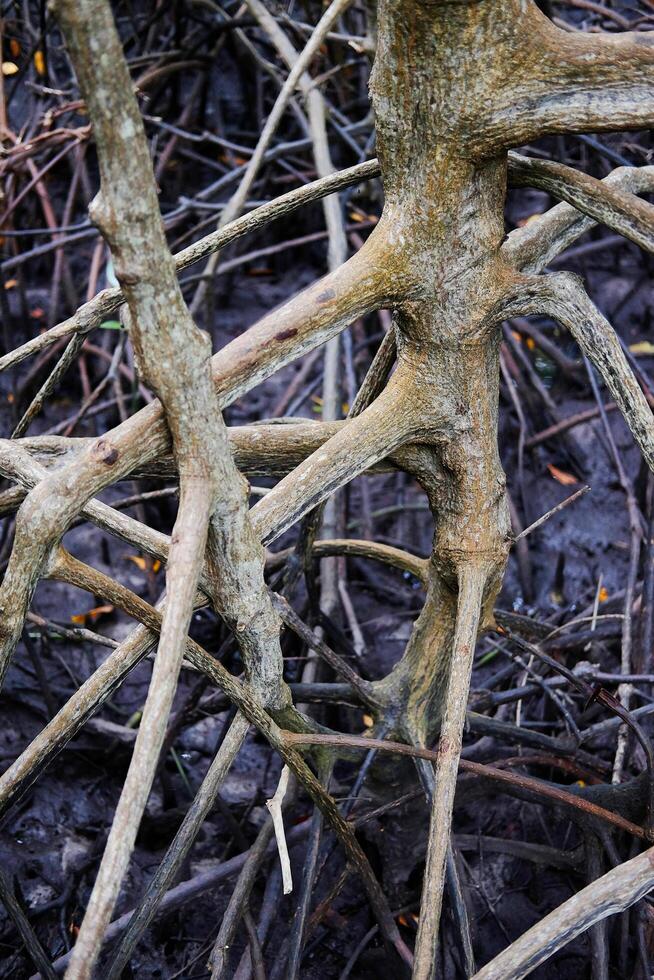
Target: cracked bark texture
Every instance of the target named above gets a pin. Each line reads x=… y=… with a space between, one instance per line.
x=447 y=113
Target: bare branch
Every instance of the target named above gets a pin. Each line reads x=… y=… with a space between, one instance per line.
x=614 y=892
x=274 y=805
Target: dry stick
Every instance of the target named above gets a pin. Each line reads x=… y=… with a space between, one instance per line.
x=92 y=313
x=254 y=946
x=453 y=878
x=274 y=806
x=458 y=902
x=317 y=125
x=181 y=845
x=23 y=925
x=78 y=634
x=268 y=912
x=580 y=418
x=237 y=201
x=550 y=513
x=331 y=406
x=614 y=892
x=376 y=375
x=600 y=9
x=471 y=581
x=261 y=449
x=70 y=353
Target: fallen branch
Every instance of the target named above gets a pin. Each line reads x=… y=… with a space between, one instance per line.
x=614 y=892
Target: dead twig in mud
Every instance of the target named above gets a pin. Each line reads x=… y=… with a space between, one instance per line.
x=539 y=788
x=615 y=891
x=24 y=927
x=181 y=845
x=601 y=696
